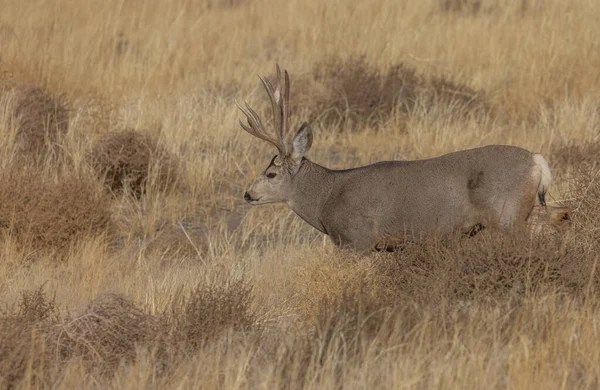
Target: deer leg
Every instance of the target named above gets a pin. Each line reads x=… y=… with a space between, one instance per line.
x=475 y=229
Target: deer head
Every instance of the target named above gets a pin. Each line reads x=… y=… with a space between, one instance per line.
x=275 y=184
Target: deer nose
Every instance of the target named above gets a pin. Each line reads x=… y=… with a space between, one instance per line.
x=247 y=197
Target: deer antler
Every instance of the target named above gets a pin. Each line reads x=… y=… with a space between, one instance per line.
x=281 y=112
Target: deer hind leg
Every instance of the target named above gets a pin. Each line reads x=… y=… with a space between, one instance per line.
x=513 y=213
x=504 y=214
x=549 y=218
x=474 y=230
x=356 y=240
x=389 y=244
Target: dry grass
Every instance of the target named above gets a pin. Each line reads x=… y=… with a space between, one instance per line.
x=577 y=155
x=194 y=288
x=22 y=349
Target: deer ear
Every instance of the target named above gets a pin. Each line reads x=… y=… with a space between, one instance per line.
x=302 y=142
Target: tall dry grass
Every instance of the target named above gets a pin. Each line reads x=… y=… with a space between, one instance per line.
x=185 y=286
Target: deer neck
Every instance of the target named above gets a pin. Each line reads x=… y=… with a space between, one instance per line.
x=311 y=188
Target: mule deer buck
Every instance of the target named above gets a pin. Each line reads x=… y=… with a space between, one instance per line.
x=378 y=206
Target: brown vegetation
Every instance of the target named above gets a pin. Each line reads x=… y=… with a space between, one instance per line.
x=208 y=312
x=40 y=119
x=441 y=285
x=473 y=6
x=113 y=330
x=576 y=155
x=128 y=159
x=106 y=334
x=359 y=95
x=46 y=212
x=22 y=339
x=476 y=7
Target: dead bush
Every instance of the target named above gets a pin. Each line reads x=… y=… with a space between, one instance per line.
x=112 y=331
x=107 y=333
x=49 y=213
x=575 y=155
x=585 y=192
x=359 y=95
x=469 y=6
x=40 y=119
x=477 y=7
x=489 y=267
x=226 y=4
x=461 y=99
x=22 y=338
x=128 y=160
x=208 y=312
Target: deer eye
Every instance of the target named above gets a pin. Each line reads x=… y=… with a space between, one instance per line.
x=271 y=175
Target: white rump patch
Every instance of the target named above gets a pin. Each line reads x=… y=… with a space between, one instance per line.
x=542 y=174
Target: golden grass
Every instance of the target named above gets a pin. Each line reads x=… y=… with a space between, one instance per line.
x=264 y=300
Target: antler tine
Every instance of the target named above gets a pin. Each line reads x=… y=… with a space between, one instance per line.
x=250 y=128
x=255 y=126
x=277 y=90
x=274 y=103
x=280 y=108
x=285 y=108
x=274 y=93
x=255 y=118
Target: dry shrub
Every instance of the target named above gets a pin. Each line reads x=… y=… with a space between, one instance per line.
x=226 y=4
x=586 y=207
x=359 y=95
x=22 y=337
x=461 y=99
x=470 y=6
x=49 y=213
x=477 y=7
x=489 y=267
x=440 y=285
x=129 y=160
x=208 y=312
x=112 y=331
x=575 y=155
x=106 y=334
x=40 y=119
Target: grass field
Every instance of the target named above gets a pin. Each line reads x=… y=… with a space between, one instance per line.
x=130 y=260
